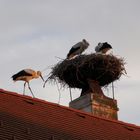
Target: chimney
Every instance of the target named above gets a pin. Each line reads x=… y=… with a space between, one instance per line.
x=95 y=102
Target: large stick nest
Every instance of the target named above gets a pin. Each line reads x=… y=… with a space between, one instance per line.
x=75 y=73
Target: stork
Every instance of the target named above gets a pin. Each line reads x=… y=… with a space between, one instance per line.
x=77 y=49
x=103 y=48
x=27 y=75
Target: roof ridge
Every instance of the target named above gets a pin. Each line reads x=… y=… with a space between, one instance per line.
x=67 y=108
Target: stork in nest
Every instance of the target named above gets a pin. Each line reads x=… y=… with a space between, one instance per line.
x=77 y=49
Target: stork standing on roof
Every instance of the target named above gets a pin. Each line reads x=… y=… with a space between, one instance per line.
x=27 y=75
x=77 y=49
x=103 y=48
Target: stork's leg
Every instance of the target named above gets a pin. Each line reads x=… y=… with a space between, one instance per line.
x=70 y=94
x=30 y=90
x=24 y=88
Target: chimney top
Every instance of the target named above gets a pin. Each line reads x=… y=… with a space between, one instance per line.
x=97 y=105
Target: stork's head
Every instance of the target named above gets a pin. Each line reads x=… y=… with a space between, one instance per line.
x=85 y=42
x=40 y=74
x=98 y=47
x=103 y=47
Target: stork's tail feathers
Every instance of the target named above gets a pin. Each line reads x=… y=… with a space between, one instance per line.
x=14 y=77
x=68 y=56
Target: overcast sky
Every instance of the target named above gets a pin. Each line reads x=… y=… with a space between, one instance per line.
x=33 y=32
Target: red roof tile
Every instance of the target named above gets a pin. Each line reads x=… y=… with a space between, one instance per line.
x=23 y=117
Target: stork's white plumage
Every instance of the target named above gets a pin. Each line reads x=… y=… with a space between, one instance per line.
x=103 y=48
x=27 y=75
x=77 y=49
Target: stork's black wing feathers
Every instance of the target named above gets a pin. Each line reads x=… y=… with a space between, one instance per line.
x=72 y=50
x=105 y=45
x=21 y=73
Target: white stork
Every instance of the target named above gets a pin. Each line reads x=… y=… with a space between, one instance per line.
x=27 y=75
x=102 y=48
x=77 y=49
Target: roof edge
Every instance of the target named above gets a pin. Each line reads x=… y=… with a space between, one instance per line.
x=65 y=107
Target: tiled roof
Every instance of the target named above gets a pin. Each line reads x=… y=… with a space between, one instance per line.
x=26 y=118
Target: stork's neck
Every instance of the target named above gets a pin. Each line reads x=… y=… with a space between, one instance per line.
x=36 y=76
x=85 y=43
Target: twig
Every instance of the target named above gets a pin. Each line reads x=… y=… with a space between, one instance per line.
x=49 y=77
x=58 y=92
x=70 y=94
x=48 y=67
x=59 y=58
x=113 y=90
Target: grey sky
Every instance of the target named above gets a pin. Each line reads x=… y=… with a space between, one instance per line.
x=33 y=32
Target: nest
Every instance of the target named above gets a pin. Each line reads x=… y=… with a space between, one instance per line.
x=76 y=72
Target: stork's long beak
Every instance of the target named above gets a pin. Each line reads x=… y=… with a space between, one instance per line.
x=42 y=78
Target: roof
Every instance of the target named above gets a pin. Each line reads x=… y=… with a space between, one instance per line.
x=23 y=117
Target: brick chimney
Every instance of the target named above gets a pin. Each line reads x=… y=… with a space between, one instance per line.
x=95 y=102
